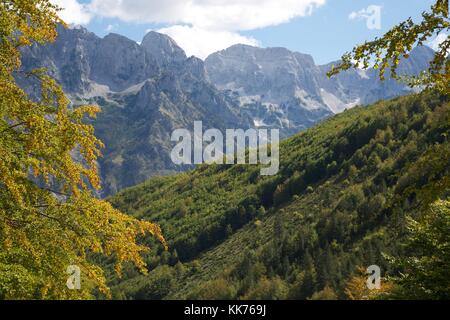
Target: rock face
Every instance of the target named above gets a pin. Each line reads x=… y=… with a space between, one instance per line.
x=82 y=61
x=163 y=48
x=146 y=91
x=280 y=88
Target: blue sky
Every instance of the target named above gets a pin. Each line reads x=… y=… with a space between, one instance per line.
x=322 y=28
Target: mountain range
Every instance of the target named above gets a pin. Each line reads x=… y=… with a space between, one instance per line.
x=149 y=89
x=287 y=90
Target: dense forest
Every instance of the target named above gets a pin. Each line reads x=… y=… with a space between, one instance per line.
x=359 y=189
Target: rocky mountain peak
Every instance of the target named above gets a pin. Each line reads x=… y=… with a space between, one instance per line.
x=147 y=90
x=163 y=48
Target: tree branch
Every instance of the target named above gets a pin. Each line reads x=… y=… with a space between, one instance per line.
x=13 y=126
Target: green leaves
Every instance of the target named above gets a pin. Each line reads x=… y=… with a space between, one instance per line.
x=385 y=53
x=425 y=268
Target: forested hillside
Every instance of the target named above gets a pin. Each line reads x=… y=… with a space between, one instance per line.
x=339 y=203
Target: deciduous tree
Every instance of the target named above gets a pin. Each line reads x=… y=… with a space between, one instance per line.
x=385 y=53
x=49 y=218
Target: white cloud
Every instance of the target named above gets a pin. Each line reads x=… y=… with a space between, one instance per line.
x=73 y=12
x=229 y=15
x=200 y=27
x=200 y=42
x=359 y=15
x=364 y=13
x=111 y=27
x=434 y=44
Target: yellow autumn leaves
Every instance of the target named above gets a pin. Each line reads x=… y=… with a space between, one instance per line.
x=49 y=218
x=386 y=52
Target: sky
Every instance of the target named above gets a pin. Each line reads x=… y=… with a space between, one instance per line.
x=323 y=28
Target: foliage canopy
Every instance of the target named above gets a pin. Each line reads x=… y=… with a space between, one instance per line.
x=49 y=218
x=385 y=52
